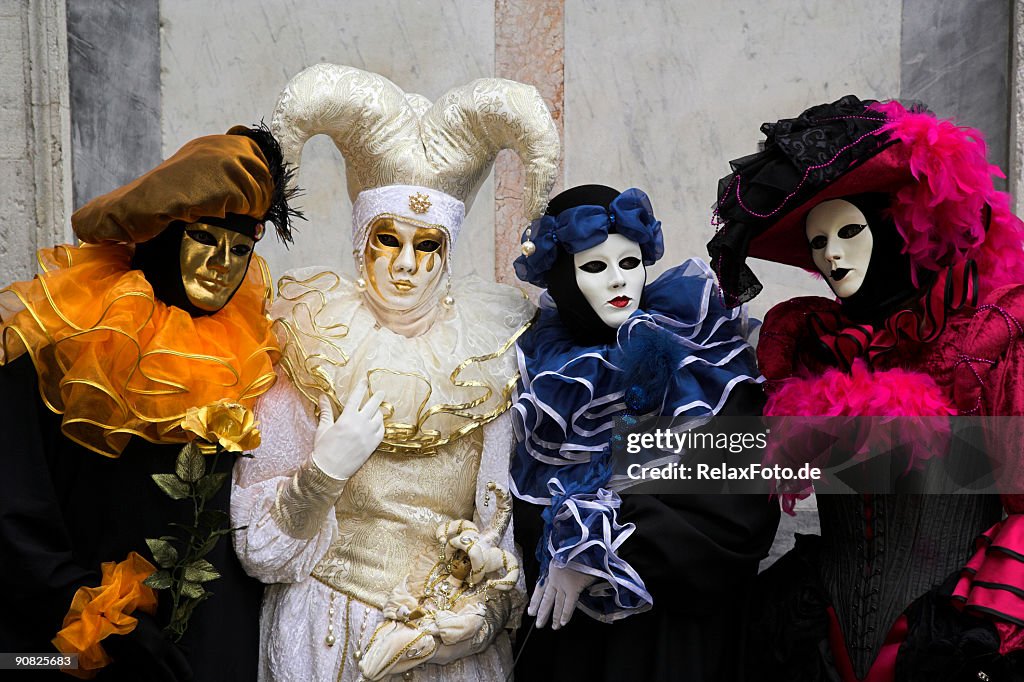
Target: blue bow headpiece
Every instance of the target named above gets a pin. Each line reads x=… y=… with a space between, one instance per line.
x=582 y=227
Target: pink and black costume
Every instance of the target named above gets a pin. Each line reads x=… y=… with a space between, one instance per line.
x=933 y=330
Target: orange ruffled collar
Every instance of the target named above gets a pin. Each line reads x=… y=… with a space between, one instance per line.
x=117 y=362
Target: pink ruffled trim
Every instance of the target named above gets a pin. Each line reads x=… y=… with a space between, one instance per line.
x=990 y=582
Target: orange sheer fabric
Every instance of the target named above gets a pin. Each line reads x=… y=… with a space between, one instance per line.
x=97 y=612
x=117 y=362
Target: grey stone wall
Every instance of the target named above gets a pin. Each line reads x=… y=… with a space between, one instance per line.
x=34 y=168
x=1016 y=171
x=114 y=74
x=956 y=59
x=16 y=234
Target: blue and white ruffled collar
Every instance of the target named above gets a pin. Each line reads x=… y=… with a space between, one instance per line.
x=569 y=395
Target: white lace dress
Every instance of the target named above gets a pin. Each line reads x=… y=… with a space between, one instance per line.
x=329 y=569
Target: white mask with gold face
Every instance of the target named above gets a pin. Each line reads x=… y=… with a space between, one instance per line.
x=611 y=276
x=841 y=243
x=213 y=263
x=405 y=264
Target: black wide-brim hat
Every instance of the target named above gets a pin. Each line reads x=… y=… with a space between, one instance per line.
x=936 y=172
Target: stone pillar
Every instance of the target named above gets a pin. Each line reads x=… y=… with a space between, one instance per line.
x=114 y=80
x=1016 y=170
x=955 y=58
x=529 y=46
x=35 y=164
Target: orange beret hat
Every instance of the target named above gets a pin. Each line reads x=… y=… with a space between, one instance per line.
x=210 y=177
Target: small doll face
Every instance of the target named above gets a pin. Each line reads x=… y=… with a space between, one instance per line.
x=404 y=263
x=460 y=565
x=611 y=277
x=213 y=263
x=841 y=243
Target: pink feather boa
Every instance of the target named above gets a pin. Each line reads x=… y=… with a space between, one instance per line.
x=861 y=393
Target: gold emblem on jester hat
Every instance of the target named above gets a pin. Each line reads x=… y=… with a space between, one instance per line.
x=419 y=202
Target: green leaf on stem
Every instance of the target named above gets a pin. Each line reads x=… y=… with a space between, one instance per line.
x=161 y=580
x=192 y=590
x=163 y=552
x=208 y=485
x=190 y=465
x=201 y=571
x=172 y=485
x=211 y=519
x=208 y=545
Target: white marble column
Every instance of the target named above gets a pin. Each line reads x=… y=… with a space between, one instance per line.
x=35 y=165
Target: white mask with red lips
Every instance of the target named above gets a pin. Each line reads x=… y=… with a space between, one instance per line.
x=611 y=276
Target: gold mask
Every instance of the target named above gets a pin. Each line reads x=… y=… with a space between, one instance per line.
x=404 y=262
x=213 y=262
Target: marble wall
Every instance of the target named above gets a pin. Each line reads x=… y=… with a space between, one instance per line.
x=116 y=136
x=226 y=62
x=660 y=98
x=956 y=59
x=665 y=99
x=16 y=188
x=1015 y=151
x=35 y=145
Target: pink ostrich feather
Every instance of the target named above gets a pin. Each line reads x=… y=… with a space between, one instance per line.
x=942 y=215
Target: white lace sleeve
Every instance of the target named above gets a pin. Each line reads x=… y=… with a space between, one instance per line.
x=269 y=552
x=499 y=443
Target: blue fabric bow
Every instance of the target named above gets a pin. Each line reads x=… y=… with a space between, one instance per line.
x=583 y=227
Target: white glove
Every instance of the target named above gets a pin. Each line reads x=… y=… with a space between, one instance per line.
x=557 y=596
x=454 y=627
x=401 y=602
x=399 y=645
x=341 y=447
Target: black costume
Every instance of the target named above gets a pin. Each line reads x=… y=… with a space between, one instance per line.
x=64 y=510
x=671 y=605
x=102 y=356
x=697 y=554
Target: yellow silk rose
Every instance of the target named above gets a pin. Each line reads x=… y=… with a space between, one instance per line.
x=229 y=425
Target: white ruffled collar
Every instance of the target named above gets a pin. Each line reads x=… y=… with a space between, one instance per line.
x=441 y=384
